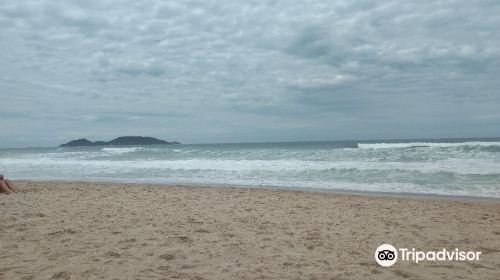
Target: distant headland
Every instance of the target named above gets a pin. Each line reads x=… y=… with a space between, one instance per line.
x=120 y=141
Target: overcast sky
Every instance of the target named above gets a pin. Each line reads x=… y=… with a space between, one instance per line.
x=229 y=71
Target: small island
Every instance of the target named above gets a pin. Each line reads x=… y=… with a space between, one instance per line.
x=120 y=141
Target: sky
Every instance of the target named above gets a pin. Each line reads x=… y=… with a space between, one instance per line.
x=247 y=71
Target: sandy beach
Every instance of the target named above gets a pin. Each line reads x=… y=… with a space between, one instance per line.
x=80 y=230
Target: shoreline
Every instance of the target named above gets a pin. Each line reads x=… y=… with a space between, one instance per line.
x=295 y=189
x=86 y=230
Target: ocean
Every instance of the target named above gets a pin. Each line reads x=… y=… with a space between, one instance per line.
x=453 y=167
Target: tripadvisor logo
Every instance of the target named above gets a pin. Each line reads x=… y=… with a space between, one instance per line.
x=387 y=255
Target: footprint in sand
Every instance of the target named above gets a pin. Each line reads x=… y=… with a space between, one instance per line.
x=167 y=257
x=61 y=275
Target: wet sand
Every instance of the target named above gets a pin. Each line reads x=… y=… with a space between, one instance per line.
x=81 y=230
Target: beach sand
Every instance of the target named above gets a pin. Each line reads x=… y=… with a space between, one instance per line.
x=80 y=230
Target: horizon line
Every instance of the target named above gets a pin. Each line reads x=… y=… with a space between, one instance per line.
x=295 y=141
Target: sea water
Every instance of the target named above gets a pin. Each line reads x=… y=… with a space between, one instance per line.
x=456 y=167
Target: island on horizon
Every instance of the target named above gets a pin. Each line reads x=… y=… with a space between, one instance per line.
x=120 y=141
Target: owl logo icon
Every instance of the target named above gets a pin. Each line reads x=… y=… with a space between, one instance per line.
x=386 y=255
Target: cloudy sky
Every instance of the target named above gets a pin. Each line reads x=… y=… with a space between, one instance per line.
x=244 y=71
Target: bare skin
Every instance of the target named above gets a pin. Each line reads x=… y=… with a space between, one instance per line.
x=5 y=186
x=8 y=183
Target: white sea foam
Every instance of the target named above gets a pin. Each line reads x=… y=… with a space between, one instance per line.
x=423 y=144
x=378 y=167
x=455 y=166
x=121 y=150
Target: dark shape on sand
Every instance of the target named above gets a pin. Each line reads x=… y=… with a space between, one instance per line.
x=120 y=141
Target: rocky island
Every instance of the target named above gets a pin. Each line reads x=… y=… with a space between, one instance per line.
x=120 y=141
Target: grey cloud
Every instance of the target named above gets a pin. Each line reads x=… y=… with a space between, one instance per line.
x=197 y=68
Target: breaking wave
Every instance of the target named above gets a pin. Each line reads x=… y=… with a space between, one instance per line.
x=448 y=167
x=121 y=150
x=425 y=145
